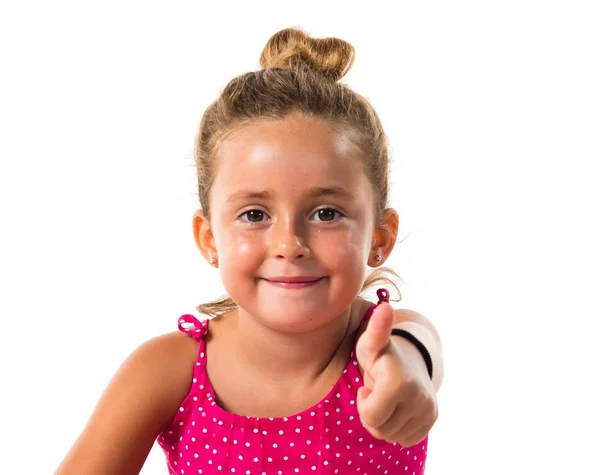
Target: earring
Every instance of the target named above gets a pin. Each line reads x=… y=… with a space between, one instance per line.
x=212 y=261
x=378 y=257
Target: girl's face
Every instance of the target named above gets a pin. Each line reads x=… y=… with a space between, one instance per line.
x=290 y=200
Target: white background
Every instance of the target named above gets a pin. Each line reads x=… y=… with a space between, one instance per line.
x=493 y=113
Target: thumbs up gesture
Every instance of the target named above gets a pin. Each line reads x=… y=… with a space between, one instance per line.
x=398 y=400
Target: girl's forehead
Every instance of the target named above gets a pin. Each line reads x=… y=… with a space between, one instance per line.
x=291 y=152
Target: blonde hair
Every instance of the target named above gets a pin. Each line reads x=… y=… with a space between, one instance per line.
x=299 y=75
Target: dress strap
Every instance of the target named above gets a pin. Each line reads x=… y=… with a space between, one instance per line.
x=384 y=296
x=192 y=326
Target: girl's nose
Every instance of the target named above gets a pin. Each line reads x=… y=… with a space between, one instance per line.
x=289 y=242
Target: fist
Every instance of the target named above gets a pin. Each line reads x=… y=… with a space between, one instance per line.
x=398 y=401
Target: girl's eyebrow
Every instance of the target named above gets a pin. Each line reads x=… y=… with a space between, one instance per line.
x=312 y=192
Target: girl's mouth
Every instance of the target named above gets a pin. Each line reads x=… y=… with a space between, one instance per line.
x=294 y=283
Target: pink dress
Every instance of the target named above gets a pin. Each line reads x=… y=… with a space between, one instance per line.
x=327 y=438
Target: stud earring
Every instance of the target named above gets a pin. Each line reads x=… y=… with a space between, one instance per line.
x=212 y=261
x=378 y=257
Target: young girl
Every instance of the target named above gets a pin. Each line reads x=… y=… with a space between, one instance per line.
x=295 y=373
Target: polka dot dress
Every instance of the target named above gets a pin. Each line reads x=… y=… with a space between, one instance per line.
x=327 y=438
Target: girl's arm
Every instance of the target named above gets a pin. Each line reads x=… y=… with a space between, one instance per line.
x=425 y=331
x=138 y=403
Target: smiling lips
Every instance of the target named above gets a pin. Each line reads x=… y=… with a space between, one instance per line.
x=293 y=282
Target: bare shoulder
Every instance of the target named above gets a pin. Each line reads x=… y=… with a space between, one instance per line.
x=137 y=404
x=362 y=306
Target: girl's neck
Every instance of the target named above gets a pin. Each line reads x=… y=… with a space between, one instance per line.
x=300 y=358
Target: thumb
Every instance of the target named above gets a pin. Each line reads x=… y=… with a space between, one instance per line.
x=376 y=337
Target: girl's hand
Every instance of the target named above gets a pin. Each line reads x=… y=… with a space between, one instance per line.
x=398 y=401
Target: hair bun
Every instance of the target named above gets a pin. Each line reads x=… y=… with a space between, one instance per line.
x=288 y=48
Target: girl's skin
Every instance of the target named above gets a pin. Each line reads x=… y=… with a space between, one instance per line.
x=282 y=339
x=286 y=346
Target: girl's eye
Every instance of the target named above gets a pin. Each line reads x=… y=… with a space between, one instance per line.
x=327 y=214
x=254 y=215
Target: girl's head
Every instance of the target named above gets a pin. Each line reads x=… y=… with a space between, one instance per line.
x=293 y=181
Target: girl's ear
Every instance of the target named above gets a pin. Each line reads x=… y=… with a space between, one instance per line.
x=203 y=235
x=384 y=237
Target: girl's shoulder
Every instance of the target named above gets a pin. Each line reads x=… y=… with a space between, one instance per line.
x=139 y=401
x=363 y=307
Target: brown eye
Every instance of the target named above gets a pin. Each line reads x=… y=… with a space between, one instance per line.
x=327 y=214
x=254 y=215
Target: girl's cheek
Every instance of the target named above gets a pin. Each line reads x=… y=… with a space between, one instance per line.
x=243 y=247
x=345 y=246
x=241 y=250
